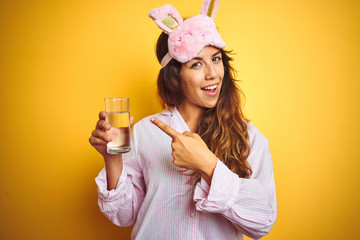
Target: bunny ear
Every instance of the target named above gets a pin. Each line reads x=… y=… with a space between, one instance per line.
x=210 y=8
x=166 y=17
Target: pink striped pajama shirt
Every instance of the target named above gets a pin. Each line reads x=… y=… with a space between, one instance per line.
x=162 y=204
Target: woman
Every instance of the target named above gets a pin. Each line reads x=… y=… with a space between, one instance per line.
x=199 y=169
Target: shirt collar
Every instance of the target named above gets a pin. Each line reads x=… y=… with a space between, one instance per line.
x=168 y=111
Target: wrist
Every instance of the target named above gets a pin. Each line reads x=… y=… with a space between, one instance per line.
x=113 y=164
x=208 y=169
x=112 y=158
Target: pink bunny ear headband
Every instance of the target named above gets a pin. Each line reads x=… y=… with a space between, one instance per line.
x=187 y=38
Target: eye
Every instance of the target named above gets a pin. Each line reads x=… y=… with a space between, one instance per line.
x=194 y=65
x=216 y=59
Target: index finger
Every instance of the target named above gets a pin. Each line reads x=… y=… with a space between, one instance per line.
x=102 y=115
x=165 y=128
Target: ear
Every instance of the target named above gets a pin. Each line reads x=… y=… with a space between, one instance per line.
x=166 y=17
x=210 y=8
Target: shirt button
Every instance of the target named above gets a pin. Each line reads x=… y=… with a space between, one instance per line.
x=192 y=214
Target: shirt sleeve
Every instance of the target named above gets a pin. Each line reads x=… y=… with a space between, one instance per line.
x=250 y=204
x=122 y=204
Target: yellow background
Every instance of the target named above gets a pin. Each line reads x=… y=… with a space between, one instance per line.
x=299 y=64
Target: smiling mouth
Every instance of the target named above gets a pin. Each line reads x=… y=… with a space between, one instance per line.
x=211 y=88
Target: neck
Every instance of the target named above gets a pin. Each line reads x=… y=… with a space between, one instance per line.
x=192 y=115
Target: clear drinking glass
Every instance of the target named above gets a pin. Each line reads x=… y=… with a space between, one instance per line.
x=118 y=116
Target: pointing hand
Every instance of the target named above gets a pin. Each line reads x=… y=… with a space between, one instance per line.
x=189 y=150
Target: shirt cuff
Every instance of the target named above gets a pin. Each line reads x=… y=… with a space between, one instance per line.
x=113 y=194
x=222 y=193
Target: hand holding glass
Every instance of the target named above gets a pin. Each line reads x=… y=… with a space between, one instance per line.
x=118 y=116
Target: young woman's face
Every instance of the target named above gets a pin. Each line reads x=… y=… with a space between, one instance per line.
x=201 y=78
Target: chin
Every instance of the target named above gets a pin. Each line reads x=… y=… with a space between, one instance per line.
x=211 y=105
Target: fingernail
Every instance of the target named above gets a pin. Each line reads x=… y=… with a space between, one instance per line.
x=152 y=119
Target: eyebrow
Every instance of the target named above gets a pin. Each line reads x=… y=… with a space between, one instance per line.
x=200 y=58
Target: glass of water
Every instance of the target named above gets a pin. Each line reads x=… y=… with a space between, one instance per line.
x=118 y=116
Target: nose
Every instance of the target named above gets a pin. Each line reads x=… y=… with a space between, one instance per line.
x=210 y=72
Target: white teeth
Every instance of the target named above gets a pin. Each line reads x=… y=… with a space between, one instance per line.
x=210 y=87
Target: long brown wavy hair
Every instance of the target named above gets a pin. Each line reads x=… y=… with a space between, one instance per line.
x=224 y=127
